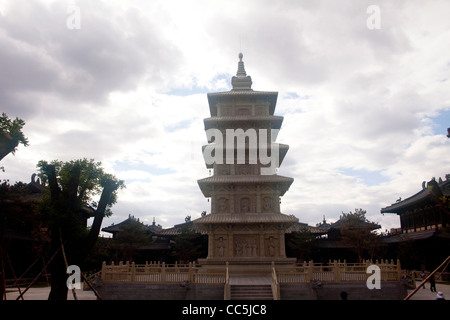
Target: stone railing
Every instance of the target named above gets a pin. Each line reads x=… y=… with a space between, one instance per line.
x=333 y=271
x=275 y=284
x=159 y=273
x=336 y=271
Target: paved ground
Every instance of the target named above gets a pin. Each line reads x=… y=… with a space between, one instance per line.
x=42 y=293
x=426 y=294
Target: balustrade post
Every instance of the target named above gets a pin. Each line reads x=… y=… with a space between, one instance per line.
x=133 y=272
x=163 y=272
x=336 y=271
x=103 y=270
x=309 y=274
x=191 y=272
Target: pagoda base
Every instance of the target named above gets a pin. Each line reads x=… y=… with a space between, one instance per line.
x=243 y=260
x=247 y=267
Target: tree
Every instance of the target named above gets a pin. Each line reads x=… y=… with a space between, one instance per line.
x=358 y=233
x=11 y=135
x=300 y=244
x=190 y=245
x=131 y=236
x=69 y=199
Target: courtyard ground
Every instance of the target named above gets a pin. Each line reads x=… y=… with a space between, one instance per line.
x=42 y=293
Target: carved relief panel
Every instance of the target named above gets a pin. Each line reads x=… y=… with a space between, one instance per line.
x=267 y=204
x=261 y=110
x=223 y=205
x=225 y=110
x=246 y=246
x=221 y=246
x=243 y=110
x=245 y=204
x=272 y=246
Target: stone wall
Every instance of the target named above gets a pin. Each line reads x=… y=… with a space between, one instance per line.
x=302 y=291
x=393 y=290
x=159 y=291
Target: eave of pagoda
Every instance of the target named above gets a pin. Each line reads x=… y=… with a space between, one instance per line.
x=271 y=121
x=207 y=185
x=215 y=98
x=255 y=218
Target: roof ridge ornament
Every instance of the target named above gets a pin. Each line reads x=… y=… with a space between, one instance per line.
x=241 y=81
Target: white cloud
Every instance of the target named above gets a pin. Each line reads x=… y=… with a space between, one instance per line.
x=129 y=89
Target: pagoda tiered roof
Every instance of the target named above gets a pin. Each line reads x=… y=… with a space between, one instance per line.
x=236 y=121
x=206 y=183
x=215 y=97
x=225 y=218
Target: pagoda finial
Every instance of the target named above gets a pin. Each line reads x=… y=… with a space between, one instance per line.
x=241 y=70
x=241 y=81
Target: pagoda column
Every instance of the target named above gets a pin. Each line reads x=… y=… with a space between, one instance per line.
x=258 y=199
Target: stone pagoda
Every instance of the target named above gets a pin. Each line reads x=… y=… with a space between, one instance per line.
x=245 y=225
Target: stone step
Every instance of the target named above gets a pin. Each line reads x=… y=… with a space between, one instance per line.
x=251 y=292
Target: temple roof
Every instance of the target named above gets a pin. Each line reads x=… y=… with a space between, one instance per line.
x=303 y=227
x=427 y=195
x=418 y=235
x=118 y=227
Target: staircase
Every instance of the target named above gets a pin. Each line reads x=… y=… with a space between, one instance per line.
x=251 y=292
x=245 y=287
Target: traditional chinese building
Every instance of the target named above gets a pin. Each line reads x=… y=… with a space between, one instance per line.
x=428 y=209
x=245 y=224
x=423 y=239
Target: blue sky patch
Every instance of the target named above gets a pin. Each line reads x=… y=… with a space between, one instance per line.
x=441 y=122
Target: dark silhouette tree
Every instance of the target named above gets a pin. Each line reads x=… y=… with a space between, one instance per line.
x=301 y=244
x=189 y=245
x=358 y=233
x=69 y=199
x=131 y=236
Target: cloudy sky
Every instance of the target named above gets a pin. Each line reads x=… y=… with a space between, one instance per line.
x=364 y=92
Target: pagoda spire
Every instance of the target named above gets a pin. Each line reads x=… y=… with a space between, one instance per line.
x=241 y=69
x=241 y=81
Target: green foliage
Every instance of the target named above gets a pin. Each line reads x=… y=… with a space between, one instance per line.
x=13 y=128
x=92 y=180
x=358 y=232
x=131 y=236
x=300 y=244
x=71 y=196
x=190 y=245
